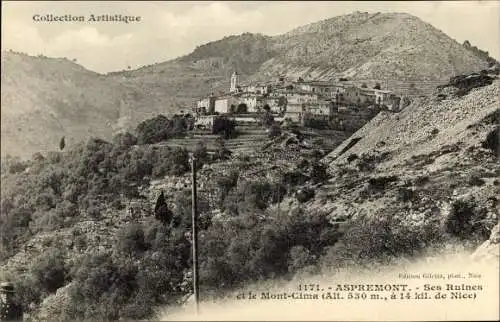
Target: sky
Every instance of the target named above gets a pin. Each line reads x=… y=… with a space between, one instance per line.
x=171 y=29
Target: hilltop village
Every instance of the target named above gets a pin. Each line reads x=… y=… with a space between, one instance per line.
x=307 y=103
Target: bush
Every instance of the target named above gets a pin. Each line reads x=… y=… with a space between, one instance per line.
x=160 y=128
x=299 y=258
x=475 y=180
x=222 y=152
x=274 y=131
x=201 y=154
x=383 y=237
x=259 y=194
x=226 y=127
x=464 y=220
x=352 y=157
x=130 y=239
x=318 y=172
x=225 y=183
x=267 y=119
x=304 y=195
x=381 y=182
x=492 y=141
x=49 y=270
x=242 y=108
x=125 y=139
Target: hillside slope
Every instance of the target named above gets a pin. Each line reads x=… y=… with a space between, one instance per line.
x=414 y=183
x=429 y=173
x=394 y=46
x=44 y=99
x=207 y=69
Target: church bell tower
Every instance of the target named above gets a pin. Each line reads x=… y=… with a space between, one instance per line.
x=234 y=82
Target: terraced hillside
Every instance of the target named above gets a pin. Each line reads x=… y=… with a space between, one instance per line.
x=251 y=139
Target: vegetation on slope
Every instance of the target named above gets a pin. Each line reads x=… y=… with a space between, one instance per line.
x=144 y=263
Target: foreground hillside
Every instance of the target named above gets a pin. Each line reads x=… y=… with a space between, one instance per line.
x=85 y=236
x=425 y=175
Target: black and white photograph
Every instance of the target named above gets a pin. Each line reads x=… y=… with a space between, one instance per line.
x=250 y=160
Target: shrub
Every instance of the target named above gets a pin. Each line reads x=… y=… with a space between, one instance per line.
x=299 y=258
x=125 y=139
x=405 y=194
x=267 y=119
x=294 y=178
x=130 y=239
x=241 y=108
x=318 y=172
x=155 y=130
x=226 y=127
x=50 y=271
x=475 y=180
x=304 y=194
x=381 y=182
x=383 y=237
x=464 y=220
x=225 y=183
x=352 y=157
x=274 y=131
x=492 y=141
x=16 y=166
x=201 y=154
x=222 y=152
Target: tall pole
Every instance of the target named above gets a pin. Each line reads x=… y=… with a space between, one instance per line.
x=194 y=223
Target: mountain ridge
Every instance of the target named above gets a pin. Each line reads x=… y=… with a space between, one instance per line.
x=396 y=49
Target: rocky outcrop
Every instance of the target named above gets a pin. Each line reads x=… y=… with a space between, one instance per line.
x=489 y=251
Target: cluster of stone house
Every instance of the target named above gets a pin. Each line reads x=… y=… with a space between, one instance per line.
x=295 y=99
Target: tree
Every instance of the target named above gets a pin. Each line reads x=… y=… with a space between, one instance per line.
x=274 y=131
x=267 y=119
x=377 y=86
x=154 y=130
x=49 y=270
x=179 y=125
x=222 y=152
x=62 y=144
x=364 y=85
x=162 y=213
x=267 y=108
x=225 y=126
x=200 y=153
x=125 y=139
x=242 y=108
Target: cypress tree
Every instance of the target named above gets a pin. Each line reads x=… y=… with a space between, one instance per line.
x=162 y=213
